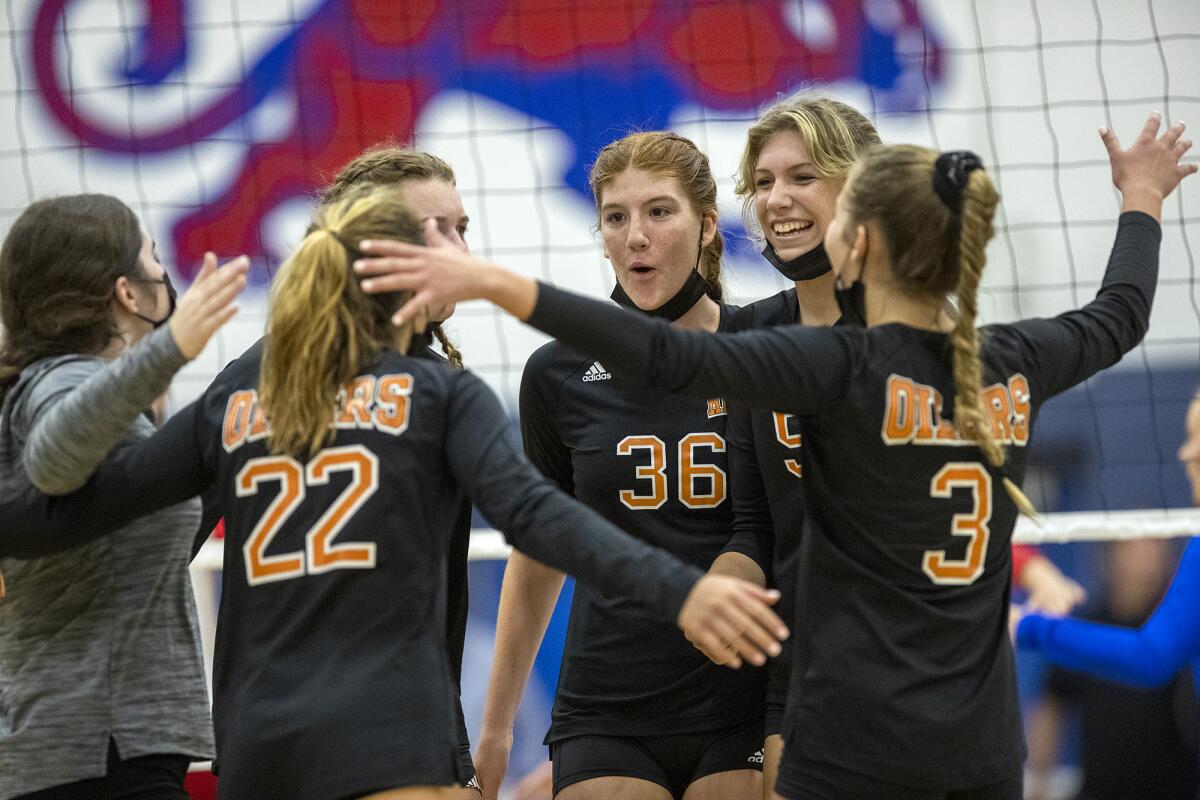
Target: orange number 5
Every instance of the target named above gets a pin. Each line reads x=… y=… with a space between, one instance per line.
x=962 y=475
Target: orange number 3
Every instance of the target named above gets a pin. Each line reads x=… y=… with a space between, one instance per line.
x=320 y=554
x=962 y=475
x=653 y=472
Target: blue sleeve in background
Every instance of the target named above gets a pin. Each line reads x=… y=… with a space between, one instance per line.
x=1145 y=657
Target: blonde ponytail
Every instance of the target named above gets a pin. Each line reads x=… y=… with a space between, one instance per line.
x=322 y=329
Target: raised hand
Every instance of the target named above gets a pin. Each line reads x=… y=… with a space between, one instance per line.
x=440 y=274
x=208 y=303
x=1149 y=170
x=728 y=614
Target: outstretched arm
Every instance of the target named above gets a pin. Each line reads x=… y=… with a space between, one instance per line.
x=133 y=481
x=1073 y=346
x=792 y=368
x=1147 y=657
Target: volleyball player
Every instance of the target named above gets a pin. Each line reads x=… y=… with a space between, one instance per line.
x=331 y=677
x=1153 y=654
x=903 y=684
x=430 y=190
x=795 y=162
x=638 y=712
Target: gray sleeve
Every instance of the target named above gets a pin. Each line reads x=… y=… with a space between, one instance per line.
x=74 y=424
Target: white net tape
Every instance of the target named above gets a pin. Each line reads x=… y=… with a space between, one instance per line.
x=1085 y=526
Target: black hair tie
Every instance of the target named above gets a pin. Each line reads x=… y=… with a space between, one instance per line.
x=950 y=174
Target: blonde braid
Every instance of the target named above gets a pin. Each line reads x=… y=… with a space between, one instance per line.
x=979 y=204
x=452 y=353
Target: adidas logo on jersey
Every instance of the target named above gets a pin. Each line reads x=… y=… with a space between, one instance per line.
x=473 y=783
x=757 y=758
x=596 y=372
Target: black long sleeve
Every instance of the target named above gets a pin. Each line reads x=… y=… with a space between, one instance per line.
x=792 y=368
x=541 y=521
x=133 y=481
x=753 y=532
x=1077 y=344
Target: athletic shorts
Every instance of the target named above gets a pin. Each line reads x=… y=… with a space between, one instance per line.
x=156 y=777
x=673 y=761
x=805 y=779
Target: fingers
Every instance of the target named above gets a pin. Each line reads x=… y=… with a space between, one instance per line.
x=389 y=247
x=395 y=281
x=433 y=236
x=1150 y=129
x=411 y=310
x=759 y=635
x=208 y=266
x=1173 y=134
x=764 y=616
x=711 y=642
x=1111 y=143
x=221 y=288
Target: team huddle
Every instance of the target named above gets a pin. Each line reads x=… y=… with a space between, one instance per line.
x=790 y=522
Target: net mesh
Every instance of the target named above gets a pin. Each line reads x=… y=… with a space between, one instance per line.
x=218 y=122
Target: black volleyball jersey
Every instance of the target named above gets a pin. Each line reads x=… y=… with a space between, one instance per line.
x=653 y=464
x=764 y=456
x=765 y=489
x=903 y=664
x=457 y=594
x=332 y=677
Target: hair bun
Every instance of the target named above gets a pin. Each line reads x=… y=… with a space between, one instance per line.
x=950 y=174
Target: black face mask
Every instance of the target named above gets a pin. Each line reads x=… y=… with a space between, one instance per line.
x=852 y=300
x=688 y=295
x=812 y=264
x=165 y=280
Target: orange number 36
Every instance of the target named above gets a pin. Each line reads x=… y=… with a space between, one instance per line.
x=700 y=485
x=962 y=475
x=320 y=553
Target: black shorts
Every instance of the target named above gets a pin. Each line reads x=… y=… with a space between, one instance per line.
x=805 y=779
x=156 y=777
x=673 y=761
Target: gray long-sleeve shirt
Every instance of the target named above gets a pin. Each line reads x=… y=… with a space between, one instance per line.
x=100 y=641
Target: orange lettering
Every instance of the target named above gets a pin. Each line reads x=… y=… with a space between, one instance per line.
x=391 y=407
x=997 y=408
x=1018 y=387
x=238 y=413
x=898 y=422
x=354 y=399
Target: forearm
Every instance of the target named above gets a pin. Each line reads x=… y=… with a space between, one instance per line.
x=131 y=482
x=71 y=438
x=738 y=565
x=527 y=599
x=1145 y=199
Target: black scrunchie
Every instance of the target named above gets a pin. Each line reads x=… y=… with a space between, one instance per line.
x=950 y=173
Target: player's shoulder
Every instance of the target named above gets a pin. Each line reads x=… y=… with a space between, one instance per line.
x=778 y=309
x=554 y=362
